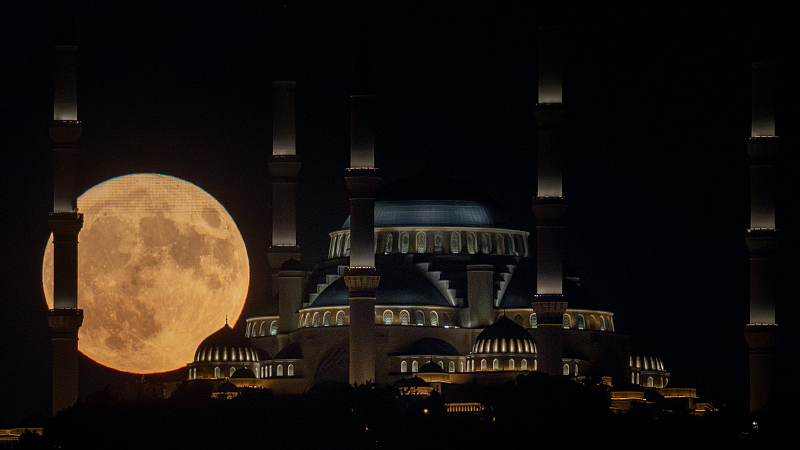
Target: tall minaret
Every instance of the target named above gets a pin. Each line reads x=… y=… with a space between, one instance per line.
x=65 y=222
x=361 y=277
x=284 y=165
x=762 y=241
x=549 y=206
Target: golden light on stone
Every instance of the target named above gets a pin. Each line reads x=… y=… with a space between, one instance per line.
x=161 y=264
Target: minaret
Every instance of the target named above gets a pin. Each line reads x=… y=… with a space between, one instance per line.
x=762 y=241
x=361 y=277
x=284 y=165
x=549 y=207
x=65 y=222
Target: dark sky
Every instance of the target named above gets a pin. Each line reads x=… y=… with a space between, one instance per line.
x=656 y=171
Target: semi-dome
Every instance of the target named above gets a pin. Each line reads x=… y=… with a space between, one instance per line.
x=504 y=336
x=225 y=345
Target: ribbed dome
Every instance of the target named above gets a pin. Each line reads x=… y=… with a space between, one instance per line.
x=647 y=363
x=225 y=345
x=504 y=336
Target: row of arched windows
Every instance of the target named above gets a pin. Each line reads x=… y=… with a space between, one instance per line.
x=451 y=366
x=325 y=319
x=496 y=365
x=442 y=242
x=581 y=322
x=258 y=329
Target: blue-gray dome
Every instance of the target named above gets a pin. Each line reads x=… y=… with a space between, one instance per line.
x=427 y=213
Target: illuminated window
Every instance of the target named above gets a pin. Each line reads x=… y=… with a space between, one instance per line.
x=415 y=366
x=389 y=243
x=461 y=366
x=326 y=319
x=233 y=369
x=279 y=370
x=501 y=245
x=340 y=318
x=533 y=321
x=566 y=370
x=273 y=328
x=638 y=379
x=388 y=317
x=217 y=372
x=638 y=363
x=290 y=370
x=270 y=371
x=455 y=242
x=602 y=323
x=633 y=378
x=496 y=364
x=519 y=246
x=451 y=367
x=404 y=366
x=483 y=364
x=434 y=319
x=523 y=365
x=315 y=321
x=535 y=364
x=511 y=364
x=339 y=245
x=300 y=320
x=247 y=333
x=509 y=244
x=441 y=364
x=404 y=242
x=419 y=317
x=576 y=370
x=472 y=243
x=592 y=322
x=405 y=318
x=486 y=244
x=649 y=382
x=581 y=322
x=422 y=242
x=347 y=245
x=438 y=243
x=566 y=321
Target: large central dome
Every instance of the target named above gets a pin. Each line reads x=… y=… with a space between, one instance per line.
x=415 y=213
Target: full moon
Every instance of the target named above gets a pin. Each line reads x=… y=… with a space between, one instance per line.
x=161 y=265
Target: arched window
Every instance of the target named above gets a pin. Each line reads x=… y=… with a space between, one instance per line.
x=217 y=372
x=419 y=317
x=247 y=333
x=533 y=321
x=602 y=323
x=308 y=320
x=315 y=321
x=511 y=364
x=233 y=369
x=440 y=363
x=509 y=244
x=300 y=320
x=638 y=379
x=415 y=366
x=451 y=367
x=535 y=364
x=347 y=245
x=340 y=318
x=279 y=370
x=496 y=364
x=592 y=322
x=270 y=371
x=566 y=321
x=388 y=317
x=649 y=382
x=340 y=245
x=326 y=319
x=633 y=378
x=501 y=245
x=523 y=365
x=483 y=364
x=404 y=366
x=290 y=370
x=566 y=370
x=389 y=243
x=438 y=243
x=472 y=243
x=434 y=319
x=581 y=322
x=405 y=319
x=422 y=242
x=576 y=370
x=273 y=328
x=519 y=247
x=486 y=244
x=404 y=242
x=455 y=242
x=461 y=366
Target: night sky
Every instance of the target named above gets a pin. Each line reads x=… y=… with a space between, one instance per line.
x=656 y=171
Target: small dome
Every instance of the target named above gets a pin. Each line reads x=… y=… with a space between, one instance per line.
x=504 y=336
x=227 y=387
x=430 y=346
x=431 y=367
x=244 y=372
x=225 y=345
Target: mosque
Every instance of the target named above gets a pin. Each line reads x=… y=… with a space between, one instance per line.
x=426 y=280
x=426 y=283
